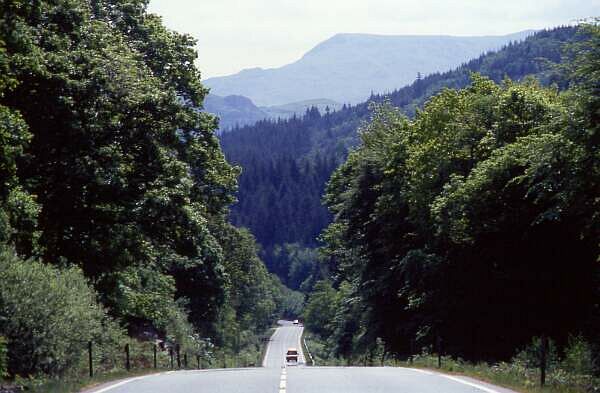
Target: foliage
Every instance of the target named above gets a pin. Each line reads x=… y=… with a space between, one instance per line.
x=320 y=309
x=3 y=357
x=48 y=316
x=473 y=225
x=109 y=170
x=287 y=163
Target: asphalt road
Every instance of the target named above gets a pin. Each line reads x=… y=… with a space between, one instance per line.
x=286 y=336
x=277 y=377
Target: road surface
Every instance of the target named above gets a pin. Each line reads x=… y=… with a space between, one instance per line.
x=276 y=377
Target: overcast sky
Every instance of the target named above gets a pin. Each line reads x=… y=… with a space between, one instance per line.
x=237 y=34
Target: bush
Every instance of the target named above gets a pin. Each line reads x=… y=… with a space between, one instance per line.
x=530 y=356
x=48 y=315
x=578 y=357
x=3 y=354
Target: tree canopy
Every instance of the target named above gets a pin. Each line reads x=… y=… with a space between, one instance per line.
x=476 y=222
x=108 y=165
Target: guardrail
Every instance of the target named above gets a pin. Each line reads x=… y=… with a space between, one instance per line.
x=312 y=360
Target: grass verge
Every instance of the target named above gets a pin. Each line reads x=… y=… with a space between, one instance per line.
x=307 y=354
x=512 y=375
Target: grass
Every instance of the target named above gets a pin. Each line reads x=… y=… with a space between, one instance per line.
x=250 y=355
x=78 y=384
x=305 y=349
x=512 y=375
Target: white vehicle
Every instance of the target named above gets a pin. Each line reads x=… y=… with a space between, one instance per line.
x=296 y=322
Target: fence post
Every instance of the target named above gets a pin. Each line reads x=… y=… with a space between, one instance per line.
x=127 y=364
x=177 y=349
x=543 y=361
x=198 y=361
x=171 y=356
x=439 y=351
x=90 y=359
x=185 y=363
x=154 y=353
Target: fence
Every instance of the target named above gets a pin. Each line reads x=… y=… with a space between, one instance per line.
x=142 y=356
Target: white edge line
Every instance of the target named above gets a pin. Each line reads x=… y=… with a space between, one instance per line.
x=264 y=363
x=116 y=385
x=455 y=379
x=300 y=344
x=419 y=370
x=475 y=385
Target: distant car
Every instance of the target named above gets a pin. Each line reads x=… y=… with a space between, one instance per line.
x=291 y=355
x=296 y=322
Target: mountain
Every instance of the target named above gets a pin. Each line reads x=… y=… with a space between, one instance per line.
x=237 y=110
x=286 y=163
x=348 y=67
x=233 y=110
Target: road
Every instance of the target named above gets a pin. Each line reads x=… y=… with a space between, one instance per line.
x=276 y=377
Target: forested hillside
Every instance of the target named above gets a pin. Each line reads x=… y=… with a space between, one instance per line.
x=236 y=110
x=286 y=163
x=114 y=195
x=472 y=229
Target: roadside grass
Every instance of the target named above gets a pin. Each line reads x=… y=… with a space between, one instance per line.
x=512 y=375
x=250 y=355
x=307 y=352
x=78 y=384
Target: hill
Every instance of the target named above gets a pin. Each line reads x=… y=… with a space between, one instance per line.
x=373 y=63
x=236 y=110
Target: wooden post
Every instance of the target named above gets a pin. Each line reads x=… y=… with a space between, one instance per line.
x=543 y=361
x=439 y=351
x=90 y=359
x=198 y=361
x=171 y=356
x=154 y=353
x=127 y=364
x=185 y=363
x=177 y=348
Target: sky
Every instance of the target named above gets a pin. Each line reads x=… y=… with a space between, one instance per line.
x=238 y=34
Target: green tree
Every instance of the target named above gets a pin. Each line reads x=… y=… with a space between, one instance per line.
x=127 y=172
x=320 y=309
x=457 y=224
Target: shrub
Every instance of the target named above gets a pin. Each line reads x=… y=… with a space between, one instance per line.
x=578 y=356
x=530 y=355
x=3 y=354
x=48 y=315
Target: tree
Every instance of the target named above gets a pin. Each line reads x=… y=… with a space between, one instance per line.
x=458 y=224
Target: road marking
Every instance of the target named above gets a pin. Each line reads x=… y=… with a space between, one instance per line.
x=271 y=339
x=116 y=385
x=283 y=381
x=455 y=379
x=420 y=371
x=475 y=385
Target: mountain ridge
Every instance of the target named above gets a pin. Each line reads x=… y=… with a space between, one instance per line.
x=372 y=62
